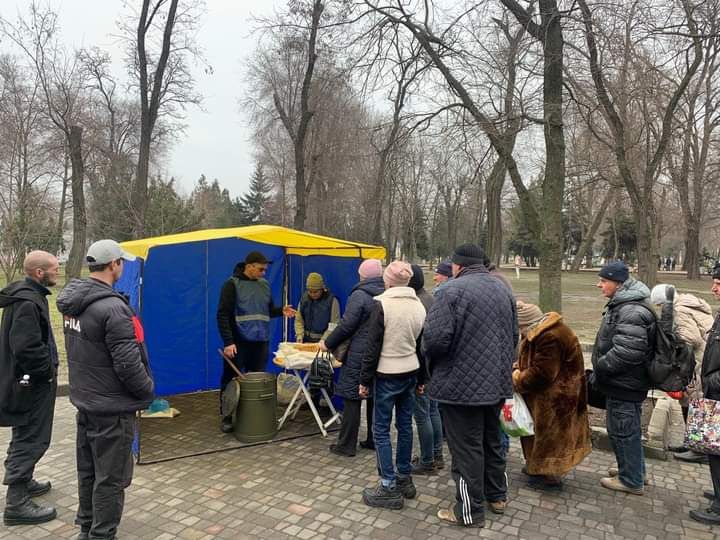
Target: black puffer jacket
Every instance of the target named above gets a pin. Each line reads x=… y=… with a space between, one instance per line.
x=711 y=363
x=107 y=359
x=625 y=344
x=26 y=344
x=354 y=326
x=469 y=340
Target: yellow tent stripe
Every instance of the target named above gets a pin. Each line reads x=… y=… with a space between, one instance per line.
x=294 y=242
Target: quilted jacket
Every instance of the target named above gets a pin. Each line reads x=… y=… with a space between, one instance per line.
x=354 y=326
x=469 y=340
x=624 y=344
x=711 y=363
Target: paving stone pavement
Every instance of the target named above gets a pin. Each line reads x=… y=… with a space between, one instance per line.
x=297 y=489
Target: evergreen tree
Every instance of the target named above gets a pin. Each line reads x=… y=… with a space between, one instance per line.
x=253 y=206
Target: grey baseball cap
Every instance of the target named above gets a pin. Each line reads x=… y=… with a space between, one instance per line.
x=105 y=251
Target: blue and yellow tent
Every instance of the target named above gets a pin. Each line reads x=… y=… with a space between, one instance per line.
x=175 y=287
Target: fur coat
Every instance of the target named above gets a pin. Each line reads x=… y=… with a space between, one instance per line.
x=550 y=375
x=693 y=320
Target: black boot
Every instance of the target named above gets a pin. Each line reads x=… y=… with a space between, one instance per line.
x=227 y=425
x=35 y=488
x=406 y=487
x=383 y=497
x=708 y=516
x=20 y=510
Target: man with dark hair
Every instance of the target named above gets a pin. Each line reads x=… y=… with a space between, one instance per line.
x=110 y=381
x=243 y=318
x=28 y=368
x=623 y=347
x=710 y=378
x=469 y=340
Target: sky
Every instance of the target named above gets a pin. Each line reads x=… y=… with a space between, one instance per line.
x=216 y=142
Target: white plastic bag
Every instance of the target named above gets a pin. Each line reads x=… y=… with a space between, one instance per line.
x=515 y=418
x=287 y=384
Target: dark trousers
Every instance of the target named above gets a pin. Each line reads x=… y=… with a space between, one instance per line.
x=350 y=426
x=30 y=441
x=478 y=465
x=105 y=469
x=251 y=356
x=715 y=475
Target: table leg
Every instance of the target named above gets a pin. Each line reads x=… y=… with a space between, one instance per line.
x=292 y=401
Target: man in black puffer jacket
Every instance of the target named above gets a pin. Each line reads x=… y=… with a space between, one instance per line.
x=110 y=381
x=623 y=347
x=469 y=340
x=710 y=377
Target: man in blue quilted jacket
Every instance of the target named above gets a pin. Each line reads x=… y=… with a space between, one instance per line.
x=469 y=340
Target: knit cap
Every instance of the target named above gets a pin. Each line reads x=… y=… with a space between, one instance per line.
x=615 y=271
x=370 y=268
x=314 y=281
x=528 y=314
x=397 y=274
x=468 y=255
x=661 y=293
x=444 y=269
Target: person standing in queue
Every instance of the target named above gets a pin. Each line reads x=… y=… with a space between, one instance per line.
x=243 y=318
x=28 y=384
x=109 y=380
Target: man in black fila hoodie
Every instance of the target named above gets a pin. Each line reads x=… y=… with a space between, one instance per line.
x=110 y=381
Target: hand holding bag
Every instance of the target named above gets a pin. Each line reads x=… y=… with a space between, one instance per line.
x=703 y=426
x=515 y=417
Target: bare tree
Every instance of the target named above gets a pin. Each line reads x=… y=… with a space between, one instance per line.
x=639 y=172
x=164 y=80
x=62 y=84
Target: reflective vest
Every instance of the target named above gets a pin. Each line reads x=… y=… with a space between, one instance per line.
x=252 y=309
x=316 y=315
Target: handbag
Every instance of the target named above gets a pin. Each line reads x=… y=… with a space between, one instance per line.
x=703 y=426
x=595 y=398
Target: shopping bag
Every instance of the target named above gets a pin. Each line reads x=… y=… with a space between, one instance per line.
x=287 y=385
x=703 y=426
x=515 y=418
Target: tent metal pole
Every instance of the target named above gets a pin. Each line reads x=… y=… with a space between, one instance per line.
x=286 y=287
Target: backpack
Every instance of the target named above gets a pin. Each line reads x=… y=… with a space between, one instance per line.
x=672 y=367
x=321 y=374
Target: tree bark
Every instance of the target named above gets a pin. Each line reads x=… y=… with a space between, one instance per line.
x=589 y=238
x=149 y=106
x=77 y=252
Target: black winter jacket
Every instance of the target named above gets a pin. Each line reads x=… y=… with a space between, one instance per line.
x=226 y=308
x=710 y=374
x=625 y=344
x=469 y=340
x=27 y=345
x=107 y=359
x=354 y=326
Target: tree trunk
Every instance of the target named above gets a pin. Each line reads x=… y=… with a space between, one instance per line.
x=692 y=250
x=646 y=250
x=77 y=252
x=589 y=238
x=493 y=195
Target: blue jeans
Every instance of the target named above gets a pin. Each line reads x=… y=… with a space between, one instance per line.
x=429 y=428
x=397 y=393
x=625 y=434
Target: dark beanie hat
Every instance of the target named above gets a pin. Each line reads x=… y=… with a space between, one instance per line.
x=468 y=254
x=444 y=269
x=615 y=271
x=716 y=271
x=417 y=281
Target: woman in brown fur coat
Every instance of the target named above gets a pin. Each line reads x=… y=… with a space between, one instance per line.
x=550 y=375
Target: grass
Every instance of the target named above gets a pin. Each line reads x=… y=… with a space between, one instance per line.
x=582 y=302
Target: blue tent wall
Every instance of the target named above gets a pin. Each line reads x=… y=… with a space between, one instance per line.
x=180 y=291
x=340 y=275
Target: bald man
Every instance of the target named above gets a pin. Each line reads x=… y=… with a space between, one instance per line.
x=28 y=368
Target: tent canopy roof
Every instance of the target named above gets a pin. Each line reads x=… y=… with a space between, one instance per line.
x=295 y=242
